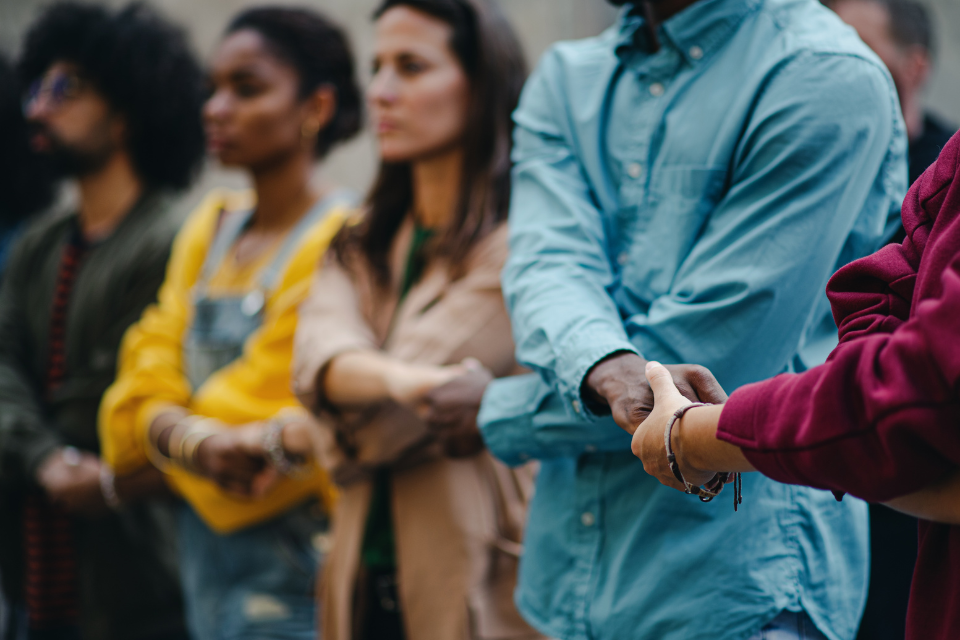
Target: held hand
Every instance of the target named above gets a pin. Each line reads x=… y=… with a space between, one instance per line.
x=71 y=479
x=451 y=411
x=648 y=439
x=620 y=382
x=235 y=460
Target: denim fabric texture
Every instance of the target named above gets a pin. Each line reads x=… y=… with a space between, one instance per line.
x=688 y=205
x=255 y=584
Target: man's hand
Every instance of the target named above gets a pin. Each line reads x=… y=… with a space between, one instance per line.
x=620 y=382
x=71 y=479
x=451 y=411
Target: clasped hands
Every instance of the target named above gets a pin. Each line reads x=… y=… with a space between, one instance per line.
x=448 y=399
x=642 y=397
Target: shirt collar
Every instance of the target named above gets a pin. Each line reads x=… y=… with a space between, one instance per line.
x=696 y=32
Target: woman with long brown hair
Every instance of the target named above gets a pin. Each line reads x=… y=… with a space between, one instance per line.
x=404 y=328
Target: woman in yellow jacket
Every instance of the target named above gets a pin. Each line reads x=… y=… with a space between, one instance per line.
x=203 y=389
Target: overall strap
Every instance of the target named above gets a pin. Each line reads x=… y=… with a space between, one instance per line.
x=229 y=232
x=270 y=275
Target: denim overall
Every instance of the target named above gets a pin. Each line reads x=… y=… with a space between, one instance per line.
x=256 y=583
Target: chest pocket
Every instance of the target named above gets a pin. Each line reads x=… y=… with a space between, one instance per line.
x=680 y=203
x=222 y=324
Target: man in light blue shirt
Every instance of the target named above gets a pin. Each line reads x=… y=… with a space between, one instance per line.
x=682 y=193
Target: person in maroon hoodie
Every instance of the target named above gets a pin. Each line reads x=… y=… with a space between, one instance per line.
x=879 y=420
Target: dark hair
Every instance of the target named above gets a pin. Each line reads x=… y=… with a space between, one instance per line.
x=487 y=48
x=143 y=67
x=26 y=183
x=320 y=53
x=910 y=24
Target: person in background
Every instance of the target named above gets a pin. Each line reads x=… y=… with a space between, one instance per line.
x=684 y=185
x=878 y=420
x=113 y=99
x=901 y=33
x=428 y=525
x=27 y=185
x=203 y=389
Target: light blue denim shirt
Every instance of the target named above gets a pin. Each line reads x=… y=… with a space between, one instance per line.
x=688 y=205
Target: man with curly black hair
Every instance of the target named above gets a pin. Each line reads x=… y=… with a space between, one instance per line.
x=114 y=99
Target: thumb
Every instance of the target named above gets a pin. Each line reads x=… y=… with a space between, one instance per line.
x=661 y=382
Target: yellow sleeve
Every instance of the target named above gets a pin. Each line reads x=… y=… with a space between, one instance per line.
x=149 y=372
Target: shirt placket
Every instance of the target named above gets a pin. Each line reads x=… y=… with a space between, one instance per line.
x=648 y=84
x=589 y=510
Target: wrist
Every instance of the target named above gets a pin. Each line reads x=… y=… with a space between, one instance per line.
x=686 y=434
x=610 y=377
x=698 y=444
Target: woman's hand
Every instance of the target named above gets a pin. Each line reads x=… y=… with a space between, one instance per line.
x=235 y=460
x=409 y=384
x=648 y=443
x=451 y=410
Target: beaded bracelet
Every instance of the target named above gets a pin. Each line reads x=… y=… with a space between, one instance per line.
x=711 y=489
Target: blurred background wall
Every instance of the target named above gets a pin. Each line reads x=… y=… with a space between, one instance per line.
x=538 y=22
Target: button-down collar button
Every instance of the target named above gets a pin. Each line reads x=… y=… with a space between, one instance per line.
x=576 y=405
x=524 y=456
x=587 y=519
x=656 y=89
x=635 y=170
x=623 y=259
x=696 y=52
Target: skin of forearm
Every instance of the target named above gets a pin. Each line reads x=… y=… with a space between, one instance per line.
x=697 y=444
x=939 y=502
x=359 y=377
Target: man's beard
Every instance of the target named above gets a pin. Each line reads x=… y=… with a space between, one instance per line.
x=73 y=161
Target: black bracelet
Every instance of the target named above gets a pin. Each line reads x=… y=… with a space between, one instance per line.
x=711 y=489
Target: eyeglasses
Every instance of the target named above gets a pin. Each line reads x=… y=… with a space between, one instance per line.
x=54 y=88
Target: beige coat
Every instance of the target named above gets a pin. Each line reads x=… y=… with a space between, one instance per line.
x=457 y=522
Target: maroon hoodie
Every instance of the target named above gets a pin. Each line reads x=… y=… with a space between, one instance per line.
x=882 y=417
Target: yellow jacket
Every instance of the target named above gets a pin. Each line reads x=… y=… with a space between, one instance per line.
x=254 y=387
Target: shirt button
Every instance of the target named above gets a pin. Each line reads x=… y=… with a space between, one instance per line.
x=623 y=259
x=635 y=170
x=656 y=89
x=587 y=519
x=524 y=456
x=576 y=405
x=696 y=52
x=590 y=448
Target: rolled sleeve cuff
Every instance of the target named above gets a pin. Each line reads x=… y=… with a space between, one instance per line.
x=579 y=355
x=506 y=418
x=521 y=418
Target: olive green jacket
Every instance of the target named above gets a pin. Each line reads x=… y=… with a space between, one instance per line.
x=127 y=560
